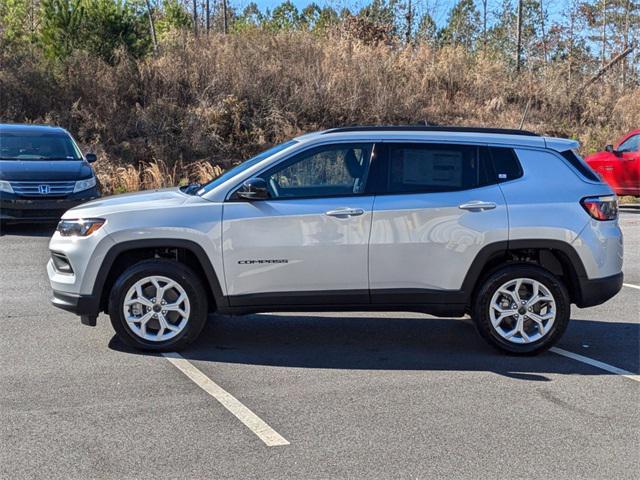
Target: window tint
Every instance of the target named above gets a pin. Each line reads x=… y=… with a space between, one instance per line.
x=579 y=164
x=332 y=170
x=30 y=146
x=435 y=168
x=505 y=164
x=631 y=144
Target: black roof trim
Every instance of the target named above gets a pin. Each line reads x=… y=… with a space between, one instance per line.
x=427 y=128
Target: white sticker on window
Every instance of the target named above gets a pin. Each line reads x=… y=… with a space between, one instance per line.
x=432 y=167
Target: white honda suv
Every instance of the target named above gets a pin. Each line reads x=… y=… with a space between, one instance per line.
x=504 y=225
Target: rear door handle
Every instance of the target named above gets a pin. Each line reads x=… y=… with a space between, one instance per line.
x=477 y=206
x=345 y=212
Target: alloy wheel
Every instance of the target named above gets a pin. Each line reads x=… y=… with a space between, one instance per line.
x=522 y=311
x=156 y=308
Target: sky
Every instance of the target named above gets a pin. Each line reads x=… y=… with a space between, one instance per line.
x=439 y=9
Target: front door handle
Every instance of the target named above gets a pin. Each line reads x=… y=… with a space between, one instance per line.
x=477 y=206
x=345 y=212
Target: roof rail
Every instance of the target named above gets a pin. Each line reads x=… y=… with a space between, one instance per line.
x=428 y=128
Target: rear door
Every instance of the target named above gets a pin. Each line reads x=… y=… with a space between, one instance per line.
x=440 y=205
x=307 y=244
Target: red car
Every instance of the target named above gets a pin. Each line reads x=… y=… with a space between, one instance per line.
x=620 y=166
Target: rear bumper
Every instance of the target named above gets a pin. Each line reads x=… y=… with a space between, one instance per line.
x=597 y=291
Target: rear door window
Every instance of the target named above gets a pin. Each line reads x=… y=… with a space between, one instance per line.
x=431 y=167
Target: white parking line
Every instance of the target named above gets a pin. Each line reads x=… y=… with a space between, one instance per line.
x=637 y=287
x=254 y=423
x=595 y=363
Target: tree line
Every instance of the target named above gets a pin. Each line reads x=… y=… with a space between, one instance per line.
x=587 y=34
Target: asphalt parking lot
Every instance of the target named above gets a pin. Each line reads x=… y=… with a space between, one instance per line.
x=356 y=395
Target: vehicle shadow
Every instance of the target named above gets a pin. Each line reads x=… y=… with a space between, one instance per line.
x=40 y=229
x=374 y=343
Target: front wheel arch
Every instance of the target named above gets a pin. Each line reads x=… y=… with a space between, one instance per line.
x=125 y=254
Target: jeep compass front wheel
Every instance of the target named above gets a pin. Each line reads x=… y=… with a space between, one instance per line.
x=158 y=305
x=522 y=309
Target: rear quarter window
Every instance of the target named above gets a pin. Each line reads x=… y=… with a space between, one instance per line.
x=580 y=165
x=506 y=164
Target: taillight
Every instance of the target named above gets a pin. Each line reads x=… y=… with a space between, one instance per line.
x=601 y=208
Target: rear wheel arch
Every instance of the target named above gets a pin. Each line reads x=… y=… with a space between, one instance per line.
x=555 y=256
x=123 y=255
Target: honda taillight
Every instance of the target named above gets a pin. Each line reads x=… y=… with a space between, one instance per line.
x=601 y=208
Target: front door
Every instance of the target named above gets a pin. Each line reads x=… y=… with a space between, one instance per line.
x=307 y=243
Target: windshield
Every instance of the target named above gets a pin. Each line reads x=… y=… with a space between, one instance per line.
x=241 y=167
x=38 y=146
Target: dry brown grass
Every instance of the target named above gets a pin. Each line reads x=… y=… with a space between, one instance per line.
x=198 y=106
x=114 y=179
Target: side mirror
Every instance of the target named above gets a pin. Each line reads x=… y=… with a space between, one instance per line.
x=254 y=189
x=90 y=157
x=610 y=149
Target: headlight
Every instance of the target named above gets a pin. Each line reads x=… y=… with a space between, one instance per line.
x=5 y=186
x=81 y=227
x=85 y=184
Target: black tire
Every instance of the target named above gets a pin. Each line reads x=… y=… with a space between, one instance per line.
x=481 y=307
x=176 y=271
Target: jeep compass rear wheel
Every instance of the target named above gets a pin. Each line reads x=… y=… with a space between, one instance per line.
x=158 y=305
x=522 y=309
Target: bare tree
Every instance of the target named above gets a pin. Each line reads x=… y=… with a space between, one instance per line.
x=224 y=16
x=572 y=23
x=519 y=37
x=484 y=24
x=544 y=34
x=208 y=15
x=409 y=17
x=604 y=32
x=627 y=12
x=152 y=27
x=195 y=17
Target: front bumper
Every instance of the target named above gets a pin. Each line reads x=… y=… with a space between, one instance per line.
x=75 y=303
x=86 y=306
x=14 y=208
x=599 y=290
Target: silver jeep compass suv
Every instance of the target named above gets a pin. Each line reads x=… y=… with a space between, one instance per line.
x=505 y=225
